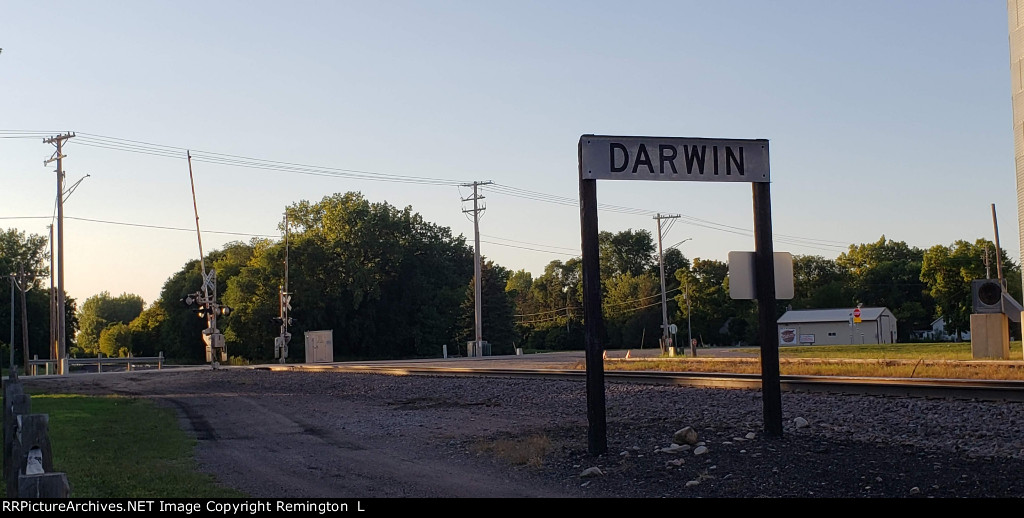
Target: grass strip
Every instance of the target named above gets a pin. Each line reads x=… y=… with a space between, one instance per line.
x=118 y=447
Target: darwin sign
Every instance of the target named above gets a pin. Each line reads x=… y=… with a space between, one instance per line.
x=669 y=158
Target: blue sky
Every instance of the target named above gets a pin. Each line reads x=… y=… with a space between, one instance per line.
x=884 y=118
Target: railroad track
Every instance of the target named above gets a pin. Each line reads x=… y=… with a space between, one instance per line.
x=983 y=390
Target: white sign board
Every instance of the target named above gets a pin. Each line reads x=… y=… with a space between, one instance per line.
x=604 y=157
x=742 y=284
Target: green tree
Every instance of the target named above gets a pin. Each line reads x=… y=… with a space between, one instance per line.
x=388 y=283
x=632 y=311
x=31 y=252
x=630 y=251
x=887 y=273
x=949 y=270
x=181 y=329
x=712 y=312
x=100 y=311
x=115 y=340
x=820 y=283
x=145 y=331
x=254 y=296
x=497 y=308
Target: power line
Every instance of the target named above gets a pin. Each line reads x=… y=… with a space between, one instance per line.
x=528 y=248
x=136 y=146
x=574 y=250
x=623 y=303
x=243 y=161
x=141 y=225
x=161 y=150
x=168 y=227
x=822 y=244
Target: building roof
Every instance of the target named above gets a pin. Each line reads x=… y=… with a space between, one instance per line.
x=798 y=316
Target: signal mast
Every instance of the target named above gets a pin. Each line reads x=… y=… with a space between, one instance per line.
x=204 y=301
x=285 y=306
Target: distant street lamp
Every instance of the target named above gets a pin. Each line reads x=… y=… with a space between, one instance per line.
x=10 y=344
x=689 y=332
x=565 y=289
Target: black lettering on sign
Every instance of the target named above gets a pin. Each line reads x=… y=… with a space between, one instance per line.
x=643 y=158
x=612 y=146
x=730 y=158
x=714 y=152
x=691 y=157
x=667 y=154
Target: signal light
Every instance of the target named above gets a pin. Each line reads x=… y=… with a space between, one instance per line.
x=225 y=310
x=987 y=296
x=291 y=321
x=277 y=321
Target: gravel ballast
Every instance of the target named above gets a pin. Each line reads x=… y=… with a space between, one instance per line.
x=441 y=428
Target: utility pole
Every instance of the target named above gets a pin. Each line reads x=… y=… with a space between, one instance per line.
x=476 y=210
x=664 y=300
x=999 y=259
x=58 y=155
x=10 y=277
x=23 y=287
x=53 y=306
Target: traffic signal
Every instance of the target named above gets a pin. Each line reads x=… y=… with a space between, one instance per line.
x=225 y=311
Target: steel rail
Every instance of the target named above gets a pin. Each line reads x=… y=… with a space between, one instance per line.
x=983 y=390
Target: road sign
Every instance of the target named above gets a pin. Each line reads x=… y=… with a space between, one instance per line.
x=605 y=157
x=856 y=315
x=742 y=282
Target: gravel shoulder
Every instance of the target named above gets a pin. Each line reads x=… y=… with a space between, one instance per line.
x=346 y=435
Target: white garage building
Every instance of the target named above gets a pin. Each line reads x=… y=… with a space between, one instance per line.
x=837 y=327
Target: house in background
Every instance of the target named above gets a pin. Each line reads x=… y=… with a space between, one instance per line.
x=938 y=333
x=837 y=327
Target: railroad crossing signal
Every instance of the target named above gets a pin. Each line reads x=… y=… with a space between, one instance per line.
x=210 y=281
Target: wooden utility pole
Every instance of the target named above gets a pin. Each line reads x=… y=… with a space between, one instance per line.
x=24 y=316
x=664 y=300
x=58 y=156
x=53 y=347
x=999 y=259
x=477 y=269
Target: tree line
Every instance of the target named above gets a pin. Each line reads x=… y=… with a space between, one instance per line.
x=391 y=285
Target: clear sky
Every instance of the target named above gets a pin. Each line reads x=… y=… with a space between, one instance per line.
x=883 y=117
